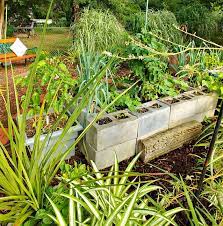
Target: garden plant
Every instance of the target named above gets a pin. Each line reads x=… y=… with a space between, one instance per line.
x=126 y=57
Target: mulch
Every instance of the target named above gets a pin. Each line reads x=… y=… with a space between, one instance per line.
x=18 y=69
x=182 y=161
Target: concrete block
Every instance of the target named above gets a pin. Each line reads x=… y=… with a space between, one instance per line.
x=169 y=140
x=182 y=107
x=106 y=157
x=205 y=101
x=112 y=129
x=153 y=117
x=67 y=141
x=191 y=105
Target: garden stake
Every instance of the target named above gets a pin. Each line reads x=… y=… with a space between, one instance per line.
x=210 y=151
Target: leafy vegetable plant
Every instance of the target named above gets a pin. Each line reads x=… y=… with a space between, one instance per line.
x=53 y=83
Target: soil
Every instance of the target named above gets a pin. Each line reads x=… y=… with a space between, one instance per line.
x=124 y=70
x=52 y=117
x=18 y=69
x=197 y=93
x=184 y=98
x=155 y=106
x=121 y=116
x=182 y=161
x=142 y=110
x=104 y=121
x=172 y=101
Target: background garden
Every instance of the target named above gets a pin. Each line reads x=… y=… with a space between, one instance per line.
x=98 y=64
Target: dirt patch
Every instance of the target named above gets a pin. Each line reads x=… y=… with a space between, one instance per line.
x=156 y=106
x=172 y=101
x=18 y=69
x=143 y=110
x=184 y=98
x=104 y=121
x=121 y=116
x=48 y=122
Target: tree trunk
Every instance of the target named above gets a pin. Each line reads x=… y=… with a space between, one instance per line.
x=2 y=12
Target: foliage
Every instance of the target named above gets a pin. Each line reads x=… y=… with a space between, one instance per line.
x=162 y=23
x=126 y=101
x=99 y=199
x=200 y=68
x=41 y=217
x=198 y=19
x=152 y=70
x=52 y=81
x=26 y=174
x=98 y=31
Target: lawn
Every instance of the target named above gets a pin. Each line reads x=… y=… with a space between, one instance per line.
x=55 y=39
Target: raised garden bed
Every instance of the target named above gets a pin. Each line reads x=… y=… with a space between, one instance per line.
x=67 y=141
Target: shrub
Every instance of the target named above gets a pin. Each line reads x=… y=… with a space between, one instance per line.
x=162 y=24
x=198 y=18
x=98 y=31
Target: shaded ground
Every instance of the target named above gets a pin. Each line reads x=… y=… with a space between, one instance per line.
x=18 y=69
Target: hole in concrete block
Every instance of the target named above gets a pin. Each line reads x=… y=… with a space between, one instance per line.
x=121 y=116
x=172 y=101
x=197 y=93
x=156 y=106
x=184 y=97
x=142 y=110
x=104 y=121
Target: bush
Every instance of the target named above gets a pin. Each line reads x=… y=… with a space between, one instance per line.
x=199 y=19
x=98 y=31
x=162 y=24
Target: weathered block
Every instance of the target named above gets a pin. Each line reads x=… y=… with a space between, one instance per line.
x=205 y=101
x=181 y=107
x=168 y=140
x=67 y=141
x=112 y=129
x=153 y=117
x=106 y=157
x=189 y=106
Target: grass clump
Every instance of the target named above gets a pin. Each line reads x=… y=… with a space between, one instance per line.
x=98 y=31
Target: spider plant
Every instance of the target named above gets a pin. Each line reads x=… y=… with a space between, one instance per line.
x=113 y=198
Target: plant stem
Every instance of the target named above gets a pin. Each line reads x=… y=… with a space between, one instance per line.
x=210 y=151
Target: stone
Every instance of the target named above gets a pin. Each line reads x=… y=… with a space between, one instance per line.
x=106 y=157
x=113 y=129
x=153 y=117
x=169 y=140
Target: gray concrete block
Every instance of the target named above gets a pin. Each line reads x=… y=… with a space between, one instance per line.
x=192 y=105
x=66 y=142
x=198 y=117
x=153 y=117
x=106 y=157
x=117 y=130
x=205 y=101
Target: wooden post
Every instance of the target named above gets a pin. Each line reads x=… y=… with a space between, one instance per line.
x=2 y=14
